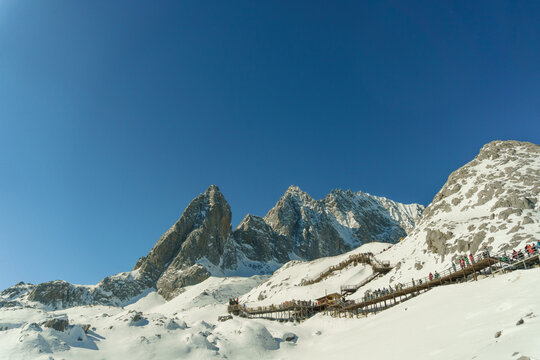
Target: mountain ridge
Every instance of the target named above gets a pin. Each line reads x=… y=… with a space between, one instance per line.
x=202 y=243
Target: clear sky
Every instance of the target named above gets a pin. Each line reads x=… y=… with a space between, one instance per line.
x=115 y=114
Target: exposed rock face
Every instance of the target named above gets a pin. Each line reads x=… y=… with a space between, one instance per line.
x=493 y=201
x=255 y=246
x=58 y=324
x=171 y=283
x=300 y=227
x=113 y=290
x=199 y=234
x=338 y=223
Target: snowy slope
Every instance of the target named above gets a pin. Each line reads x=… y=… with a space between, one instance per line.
x=450 y=322
x=285 y=285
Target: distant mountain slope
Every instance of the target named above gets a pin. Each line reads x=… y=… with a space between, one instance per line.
x=338 y=223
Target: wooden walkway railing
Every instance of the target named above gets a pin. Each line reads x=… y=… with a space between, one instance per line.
x=376 y=301
x=288 y=311
x=351 y=289
x=363 y=258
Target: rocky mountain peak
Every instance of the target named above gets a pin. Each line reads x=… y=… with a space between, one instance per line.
x=250 y=220
x=493 y=201
x=343 y=218
x=200 y=243
x=212 y=187
x=214 y=195
x=293 y=189
x=505 y=174
x=495 y=149
x=198 y=235
x=295 y=194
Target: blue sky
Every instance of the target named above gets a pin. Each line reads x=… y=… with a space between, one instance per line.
x=114 y=115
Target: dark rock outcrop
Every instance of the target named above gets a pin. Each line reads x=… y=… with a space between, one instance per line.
x=338 y=223
x=199 y=234
x=59 y=324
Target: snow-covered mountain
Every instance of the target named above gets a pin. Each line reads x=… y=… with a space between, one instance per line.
x=302 y=228
x=201 y=243
x=492 y=202
x=340 y=222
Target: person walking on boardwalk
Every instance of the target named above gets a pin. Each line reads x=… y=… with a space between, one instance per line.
x=462 y=263
x=436 y=275
x=430 y=277
x=467 y=261
x=454 y=266
x=515 y=255
x=471 y=258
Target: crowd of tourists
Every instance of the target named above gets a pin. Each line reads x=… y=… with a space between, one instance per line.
x=287 y=305
x=233 y=301
x=463 y=262
x=521 y=254
x=373 y=294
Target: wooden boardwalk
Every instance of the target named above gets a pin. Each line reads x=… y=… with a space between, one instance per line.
x=374 y=304
x=363 y=258
x=290 y=311
x=380 y=300
x=405 y=292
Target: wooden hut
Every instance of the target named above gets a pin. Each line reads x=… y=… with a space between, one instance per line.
x=329 y=300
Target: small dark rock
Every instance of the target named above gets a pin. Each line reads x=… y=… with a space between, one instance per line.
x=498 y=334
x=60 y=324
x=224 y=318
x=290 y=337
x=521 y=321
x=86 y=327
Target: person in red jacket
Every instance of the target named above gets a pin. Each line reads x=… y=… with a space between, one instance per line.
x=471 y=258
x=430 y=276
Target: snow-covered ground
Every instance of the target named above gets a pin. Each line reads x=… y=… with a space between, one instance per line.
x=284 y=285
x=450 y=322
